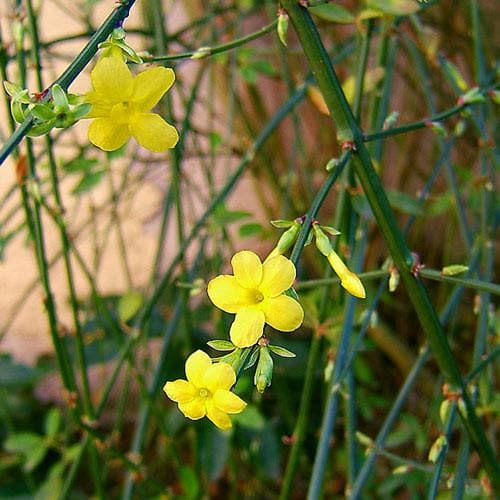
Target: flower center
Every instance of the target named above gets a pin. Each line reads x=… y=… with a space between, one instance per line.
x=257 y=296
x=203 y=393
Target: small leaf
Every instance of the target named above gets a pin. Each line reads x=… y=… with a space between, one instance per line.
x=330 y=230
x=42 y=111
x=281 y=223
x=404 y=202
x=224 y=216
x=88 y=181
x=221 y=345
x=52 y=422
x=250 y=229
x=333 y=13
x=454 y=269
x=80 y=163
x=281 y=351
x=394 y=7
x=59 y=97
x=129 y=304
x=250 y=418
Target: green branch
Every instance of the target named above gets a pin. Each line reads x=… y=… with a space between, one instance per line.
x=349 y=130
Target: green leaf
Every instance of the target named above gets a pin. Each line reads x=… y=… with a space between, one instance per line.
x=454 y=269
x=30 y=445
x=213 y=449
x=221 y=345
x=52 y=422
x=281 y=351
x=394 y=7
x=281 y=223
x=189 y=481
x=80 y=164
x=42 y=112
x=250 y=229
x=129 y=304
x=224 y=216
x=250 y=418
x=333 y=13
x=88 y=181
x=404 y=202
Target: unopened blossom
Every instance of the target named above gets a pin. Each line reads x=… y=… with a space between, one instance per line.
x=255 y=293
x=349 y=280
x=121 y=105
x=206 y=392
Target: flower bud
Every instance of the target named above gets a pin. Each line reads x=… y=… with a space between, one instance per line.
x=282 y=27
x=436 y=449
x=349 y=280
x=322 y=242
x=264 y=370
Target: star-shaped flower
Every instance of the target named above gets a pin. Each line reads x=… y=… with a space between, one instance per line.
x=206 y=391
x=121 y=105
x=256 y=294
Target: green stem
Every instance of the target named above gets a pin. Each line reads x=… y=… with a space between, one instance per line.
x=335 y=99
x=203 y=52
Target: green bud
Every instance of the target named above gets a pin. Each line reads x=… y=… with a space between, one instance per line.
x=459 y=128
x=288 y=238
x=454 y=269
x=401 y=469
x=444 y=410
x=264 y=370
x=455 y=75
x=473 y=96
x=393 y=280
x=283 y=27
x=332 y=164
x=437 y=447
x=322 y=242
x=202 y=52
x=437 y=128
x=391 y=120
x=364 y=439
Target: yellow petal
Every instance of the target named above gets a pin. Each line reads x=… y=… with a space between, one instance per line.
x=228 y=402
x=150 y=85
x=247 y=327
x=107 y=134
x=278 y=275
x=180 y=391
x=218 y=417
x=353 y=285
x=194 y=409
x=226 y=293
x=247 y=269
x=112 y=79
x=100 y=106
x=196 y=366
x=219 y=376
x=283 y=313
x=152 y=132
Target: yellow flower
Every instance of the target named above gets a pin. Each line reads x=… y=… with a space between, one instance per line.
x=121 y=105
x=206 y=391
x=349 y=280
x=255 y=294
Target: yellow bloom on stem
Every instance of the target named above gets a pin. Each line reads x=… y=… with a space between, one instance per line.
x=206 y=392
x=121 y=105
x=349 y=280
x=255 y=294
